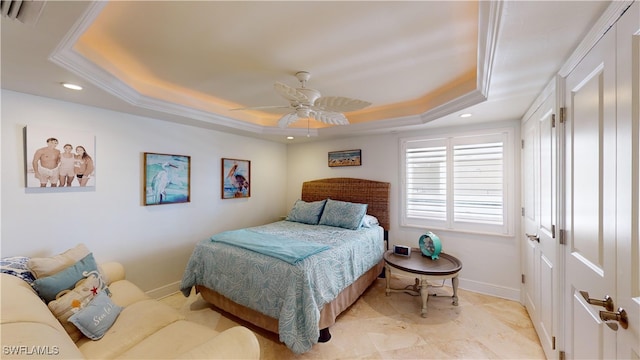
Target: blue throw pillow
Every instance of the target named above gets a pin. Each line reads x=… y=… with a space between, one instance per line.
x=306 y=212
x=48 y=287
x=17 y=266
x=343 y=214
x=97 y=317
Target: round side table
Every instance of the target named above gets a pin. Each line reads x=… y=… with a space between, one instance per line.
x=422 y=269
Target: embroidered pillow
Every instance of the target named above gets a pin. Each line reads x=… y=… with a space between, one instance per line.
x=70 y=302
x=48 y=287
x=343 y=214
x=95 y=319
x=47 y=266
x=17 y=266
x=306 y=212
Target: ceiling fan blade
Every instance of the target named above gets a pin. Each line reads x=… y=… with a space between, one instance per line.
x=287 y=120
x=332 y=118
x=340 y=104
x=262 y=107
x=291 y=94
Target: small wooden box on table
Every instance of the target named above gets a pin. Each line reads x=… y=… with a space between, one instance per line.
x=422 y=269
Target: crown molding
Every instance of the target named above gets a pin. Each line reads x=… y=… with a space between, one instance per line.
x=64 y=55
x=604 y=23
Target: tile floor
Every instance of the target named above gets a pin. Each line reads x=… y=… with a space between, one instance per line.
x=390 y=327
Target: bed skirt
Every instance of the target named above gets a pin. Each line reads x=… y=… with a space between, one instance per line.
x=328 y=314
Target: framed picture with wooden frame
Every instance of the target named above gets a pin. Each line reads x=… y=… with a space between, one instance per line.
x=236 y=178
x=345 y=158
x=167 y=179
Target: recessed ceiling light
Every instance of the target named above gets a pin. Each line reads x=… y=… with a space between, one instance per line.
x=289 y=137
x=72 y=86
x=466 y=115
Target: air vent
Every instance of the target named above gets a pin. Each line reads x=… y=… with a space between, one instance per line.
x=25 y=11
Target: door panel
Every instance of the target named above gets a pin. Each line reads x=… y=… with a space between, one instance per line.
x=547 y=299
x=539 y=199
x=590 y=200
x=587 y=217
x=628 y=227
x=587 y=327
x=530 y=221
x=547 y=248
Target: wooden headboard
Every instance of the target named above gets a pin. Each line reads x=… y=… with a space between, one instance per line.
x=373 y=193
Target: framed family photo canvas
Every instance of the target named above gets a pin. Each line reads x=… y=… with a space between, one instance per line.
x=345 y=158
x=167 y=179
x=57 y=158
x=236 y=178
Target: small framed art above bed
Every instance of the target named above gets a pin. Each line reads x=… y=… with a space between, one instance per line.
x=294 y=277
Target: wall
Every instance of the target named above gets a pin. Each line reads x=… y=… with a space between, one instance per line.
x=153 y=242
x=491 y=264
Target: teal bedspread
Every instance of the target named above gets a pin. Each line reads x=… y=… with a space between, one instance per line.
x=289 y=250
x=292 y=293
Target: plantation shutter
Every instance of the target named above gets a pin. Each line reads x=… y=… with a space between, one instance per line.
x=478 y=183
x=426 y=180
x=458 y=182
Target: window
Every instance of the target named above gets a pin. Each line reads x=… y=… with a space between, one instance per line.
x=458 y=182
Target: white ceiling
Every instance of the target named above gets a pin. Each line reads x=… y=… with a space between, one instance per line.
x=420 y=63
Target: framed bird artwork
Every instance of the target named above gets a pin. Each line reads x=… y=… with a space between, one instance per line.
x=167 y=179
x=236 y=178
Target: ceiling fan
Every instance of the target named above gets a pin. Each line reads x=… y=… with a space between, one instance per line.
x=309 y=103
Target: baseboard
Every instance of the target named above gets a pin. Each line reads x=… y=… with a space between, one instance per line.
x=470 y=285
x=164 y=291
x=490 y=289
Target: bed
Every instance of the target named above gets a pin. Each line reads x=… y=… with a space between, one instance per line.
x=321 y=270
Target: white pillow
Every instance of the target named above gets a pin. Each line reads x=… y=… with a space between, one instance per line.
x=369 y=221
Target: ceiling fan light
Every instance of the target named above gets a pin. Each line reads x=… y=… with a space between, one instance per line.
x=303 y=113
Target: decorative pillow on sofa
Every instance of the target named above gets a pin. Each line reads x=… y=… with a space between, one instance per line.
x=97 y=317
x=48 y=287
x=47 y=266
x=343 y=214
x=306 y=212
x=70 y=302
x=17 y=266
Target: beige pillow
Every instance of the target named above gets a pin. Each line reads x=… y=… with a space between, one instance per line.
x=71 y=301
x=47 y=266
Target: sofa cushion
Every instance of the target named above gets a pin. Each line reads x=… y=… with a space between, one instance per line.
x=47 y=266
x=160 y=345
x=69 y=303
x=97 y=317
x=49 y=287
x=235 y=343
x=34 y=340
x=20 y=303
x=135 y=323
x=125 y=293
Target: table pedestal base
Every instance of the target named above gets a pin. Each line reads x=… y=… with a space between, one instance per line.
x=420 y=287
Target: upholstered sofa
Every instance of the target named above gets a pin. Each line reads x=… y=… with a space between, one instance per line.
x=144 y=328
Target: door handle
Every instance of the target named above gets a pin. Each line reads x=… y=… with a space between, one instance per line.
x=533 y=237
x=606 y=303
x=620 y=316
